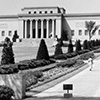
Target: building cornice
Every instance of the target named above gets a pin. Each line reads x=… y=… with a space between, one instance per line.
x=29 y=8
x=82 y=15
x=8 y=16
x=39 y=15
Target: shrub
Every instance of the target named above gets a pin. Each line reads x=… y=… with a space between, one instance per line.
x=78 y=46
x=6 y=93
x=7 y=53
x=70 y=47
x=38 y=74
x=8 y=69
x=30 y=78
x=85 y=44
x=42 y=51
x=68 y=63
x=58 y=50
x=86 y=56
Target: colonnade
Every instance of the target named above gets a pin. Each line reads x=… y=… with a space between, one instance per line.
x=39 y=28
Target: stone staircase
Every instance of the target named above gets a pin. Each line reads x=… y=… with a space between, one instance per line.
x=33 y=43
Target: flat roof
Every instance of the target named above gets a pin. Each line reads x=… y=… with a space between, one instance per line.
x=25 y=8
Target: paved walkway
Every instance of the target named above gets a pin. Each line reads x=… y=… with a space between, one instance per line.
x=85 y=84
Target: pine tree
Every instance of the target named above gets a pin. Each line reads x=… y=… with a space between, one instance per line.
x=58 y=50
x=85 y=44
x=70 y=47
x=42 y=51
x=78 y=46
x=7 y=53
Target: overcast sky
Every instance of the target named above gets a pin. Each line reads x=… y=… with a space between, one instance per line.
x=71 y=6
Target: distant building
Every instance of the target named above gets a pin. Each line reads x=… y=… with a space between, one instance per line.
x=46 y=22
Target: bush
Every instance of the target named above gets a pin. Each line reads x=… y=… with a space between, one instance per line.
x=38 y=74
x=8 y=69
x=86 y=56
x=85 y=45
x=7 y=53
x=78 y=46
x=58 y=50
x=70 y=47
x=42 y=51
x=68 y=63
x=6 y=93
x=30 y=78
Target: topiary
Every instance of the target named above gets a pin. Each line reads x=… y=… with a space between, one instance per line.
x=58 y=50
x=78 y=46
x=70 y=47
x=85 y=44
x=7 y=52
x=42 y=51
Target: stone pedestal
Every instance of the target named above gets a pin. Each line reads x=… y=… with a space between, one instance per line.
x=68 y=95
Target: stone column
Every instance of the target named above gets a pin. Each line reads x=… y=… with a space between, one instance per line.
x=42 y=29
x=53 y=28
x=47 y=28
x=25 y=28
x=30 y=28
x=36 y=26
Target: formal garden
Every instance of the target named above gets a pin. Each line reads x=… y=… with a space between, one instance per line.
x=18 y=78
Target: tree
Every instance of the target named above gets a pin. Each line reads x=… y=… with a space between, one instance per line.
x=7 y=52
x=78 y=46
x=85 y=44
x=70 y=47
x=91 y=28
x=64 y=35
x=58 y=50
x=42 y=51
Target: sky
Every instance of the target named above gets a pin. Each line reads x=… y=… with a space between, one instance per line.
x=8 y=7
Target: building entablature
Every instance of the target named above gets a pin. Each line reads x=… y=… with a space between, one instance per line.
x=43 y=10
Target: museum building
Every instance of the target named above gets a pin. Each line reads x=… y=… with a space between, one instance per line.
x=42 y=22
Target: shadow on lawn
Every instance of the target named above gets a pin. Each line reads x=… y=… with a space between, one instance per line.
x=62 y=98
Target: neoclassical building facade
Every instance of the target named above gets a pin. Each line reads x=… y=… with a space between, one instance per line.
x=47 y=22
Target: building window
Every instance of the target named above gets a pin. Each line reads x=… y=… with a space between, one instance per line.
x=72 y=32
x=10 y=33
x=45 y=12
x=40 y=12
x=80 y=32
x=29 y=12
x=51 y=11
x=98 y=32
x=86 y=32
x=3 y=33
x=34 y=12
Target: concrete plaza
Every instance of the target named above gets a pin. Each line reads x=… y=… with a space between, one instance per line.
x=86 y=86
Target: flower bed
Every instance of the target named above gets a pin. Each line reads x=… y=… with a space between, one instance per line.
x=57 y=71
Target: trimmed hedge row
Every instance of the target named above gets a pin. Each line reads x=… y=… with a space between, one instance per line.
x=6 y=93
x=22 y=65
x=70 y=55
x=68 y=63
x=87 y=56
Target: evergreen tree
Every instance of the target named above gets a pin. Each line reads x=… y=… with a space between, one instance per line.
x=7 y=53
x=42 y=51
x=58 y=50
x=78 y=46
x=70 y=47
x=85 y=44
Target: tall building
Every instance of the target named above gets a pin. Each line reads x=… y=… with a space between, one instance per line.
x=47 y=22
